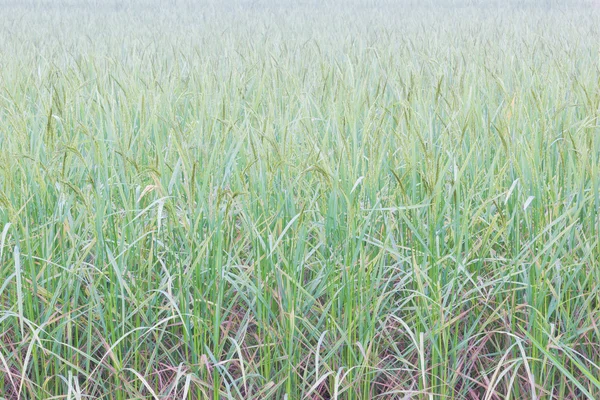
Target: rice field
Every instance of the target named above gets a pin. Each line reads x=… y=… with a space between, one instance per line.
x=367 y=199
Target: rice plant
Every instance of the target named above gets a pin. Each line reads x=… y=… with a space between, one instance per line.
x=357 y=200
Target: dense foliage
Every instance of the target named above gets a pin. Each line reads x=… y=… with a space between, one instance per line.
x=301 y=201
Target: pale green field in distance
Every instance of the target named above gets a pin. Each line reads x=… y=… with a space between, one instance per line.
x=299 y=200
